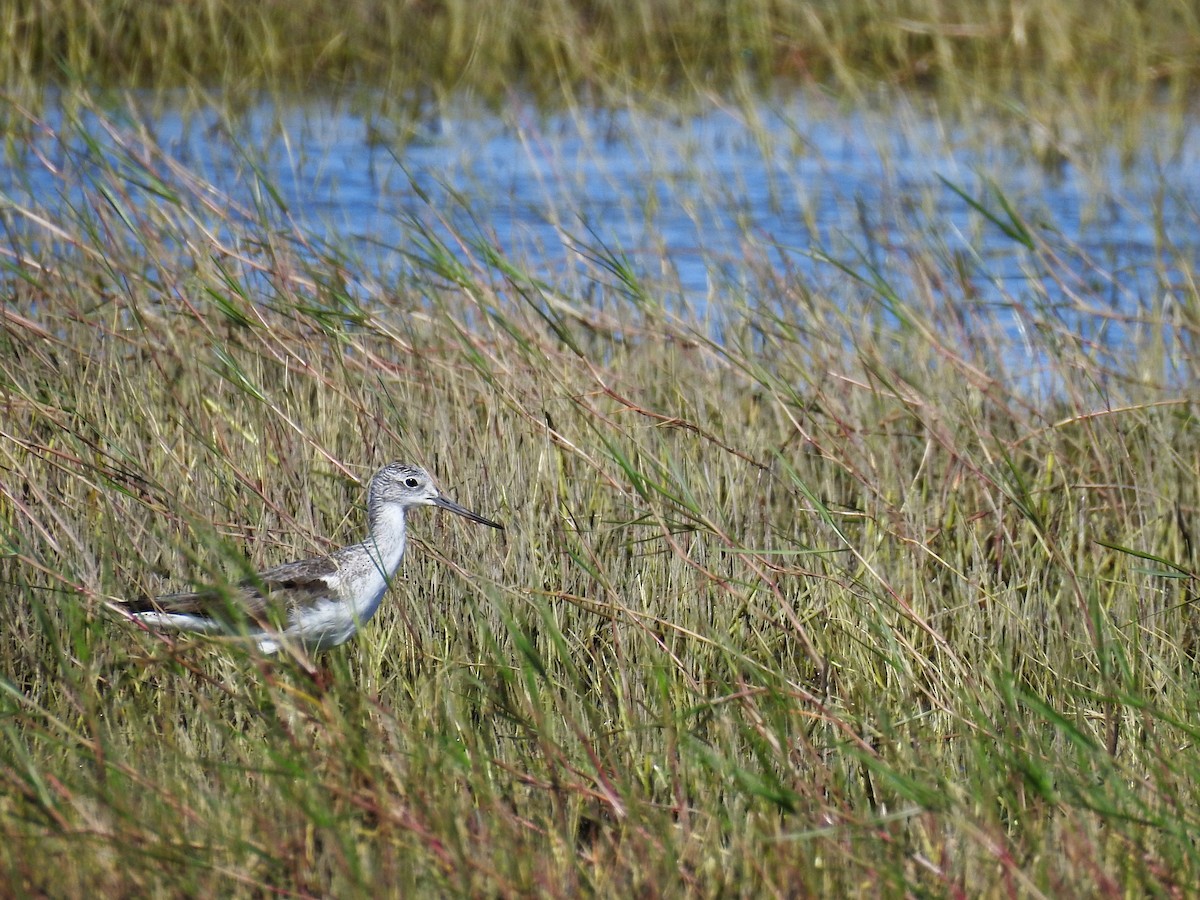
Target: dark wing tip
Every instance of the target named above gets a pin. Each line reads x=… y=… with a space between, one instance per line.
x=185 y=601
x=138 y=605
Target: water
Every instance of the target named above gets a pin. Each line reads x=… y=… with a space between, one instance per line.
x=684 y=199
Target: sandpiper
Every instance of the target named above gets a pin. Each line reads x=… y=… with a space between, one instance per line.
x=316 y=603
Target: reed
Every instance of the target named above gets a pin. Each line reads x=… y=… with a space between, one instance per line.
x=1117 y=50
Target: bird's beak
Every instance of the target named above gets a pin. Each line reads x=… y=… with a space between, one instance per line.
x=447 y=503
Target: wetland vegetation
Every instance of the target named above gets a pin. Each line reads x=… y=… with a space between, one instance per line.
x=874 y=580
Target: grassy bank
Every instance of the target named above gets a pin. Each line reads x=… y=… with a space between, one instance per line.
x=841 y=603
x=1115 y=49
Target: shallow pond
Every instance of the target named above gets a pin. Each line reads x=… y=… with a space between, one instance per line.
x=685 y=200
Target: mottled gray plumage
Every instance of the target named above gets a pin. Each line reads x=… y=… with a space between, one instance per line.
x=319 y=602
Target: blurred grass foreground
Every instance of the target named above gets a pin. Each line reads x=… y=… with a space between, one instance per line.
x=816 y=591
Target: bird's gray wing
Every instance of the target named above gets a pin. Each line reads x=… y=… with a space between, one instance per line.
x=259 y=598
x=225 y=605
x=300 y=582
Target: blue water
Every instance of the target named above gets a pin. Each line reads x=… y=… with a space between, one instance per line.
x=685 y=200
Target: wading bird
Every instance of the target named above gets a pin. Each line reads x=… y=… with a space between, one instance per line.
x=315 y=603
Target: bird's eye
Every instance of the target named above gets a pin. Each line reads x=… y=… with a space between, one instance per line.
x=411 y=482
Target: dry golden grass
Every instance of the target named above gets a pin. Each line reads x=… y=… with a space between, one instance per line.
x=1113 y=52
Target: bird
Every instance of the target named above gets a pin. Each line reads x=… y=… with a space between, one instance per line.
x=312 y=604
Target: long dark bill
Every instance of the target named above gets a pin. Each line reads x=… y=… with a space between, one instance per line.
x=447 y=503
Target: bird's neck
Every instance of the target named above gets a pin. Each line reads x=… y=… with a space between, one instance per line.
x=385 y=542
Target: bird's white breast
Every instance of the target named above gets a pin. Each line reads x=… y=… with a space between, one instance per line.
x=360 y=583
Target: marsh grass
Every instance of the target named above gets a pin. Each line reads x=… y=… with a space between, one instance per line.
x=839 y=602
x=1116 y=53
